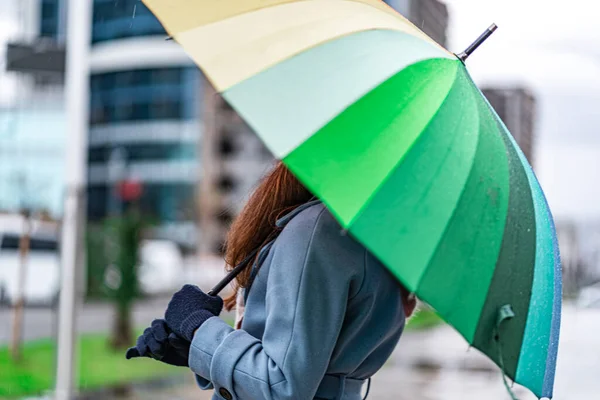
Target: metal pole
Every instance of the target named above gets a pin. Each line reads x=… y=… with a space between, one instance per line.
x=77 y=99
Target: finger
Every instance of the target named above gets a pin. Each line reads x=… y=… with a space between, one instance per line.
x=132 y=352
x=159 y=330
x=178 y=343
x=142 y=346
x=155 y=347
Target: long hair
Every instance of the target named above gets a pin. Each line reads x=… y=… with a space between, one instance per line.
x=278 y=193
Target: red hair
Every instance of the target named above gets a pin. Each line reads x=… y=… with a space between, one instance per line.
x=278 y=193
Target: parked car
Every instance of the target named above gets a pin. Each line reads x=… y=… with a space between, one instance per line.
x=161 y=267
x=160 y=270
x=42 y=268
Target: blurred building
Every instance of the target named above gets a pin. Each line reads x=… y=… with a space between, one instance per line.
x=570 y=255
x=431 y=16
x=32 y=160
x=145 y=105
x=233 y=161
x=516 y=107
x=144 y=117
x=32 y=116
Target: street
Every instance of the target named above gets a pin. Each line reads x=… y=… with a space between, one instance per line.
x=93 y=318
x=427 y=365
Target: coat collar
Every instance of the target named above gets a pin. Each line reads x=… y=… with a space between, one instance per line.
x=283 y=221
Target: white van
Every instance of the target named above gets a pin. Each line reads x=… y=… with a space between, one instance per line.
x=161 y=267
x=42 y=269
x=160 y=270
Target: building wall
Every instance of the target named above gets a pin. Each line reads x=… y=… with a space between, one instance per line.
x=516 y=108
x=431 y=16
x=233 y=161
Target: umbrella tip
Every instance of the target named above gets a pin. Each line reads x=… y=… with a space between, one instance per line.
x=478 y=42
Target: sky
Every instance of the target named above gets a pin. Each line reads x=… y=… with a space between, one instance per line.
x=553 y=48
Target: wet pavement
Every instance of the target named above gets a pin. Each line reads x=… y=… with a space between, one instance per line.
x=427 y=365
x=438 y=365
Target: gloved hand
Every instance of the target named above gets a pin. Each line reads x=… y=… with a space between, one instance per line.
x=159 y=343
x=189 y=309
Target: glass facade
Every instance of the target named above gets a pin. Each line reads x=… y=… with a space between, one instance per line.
x=144 y=94
x=32 y=154
x=118 y=19
x=163 y=202
x=142 y=99
x=145 y=152
x=148 y=95
x=49 y=18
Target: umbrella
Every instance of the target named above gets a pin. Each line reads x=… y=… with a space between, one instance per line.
x=388 y=129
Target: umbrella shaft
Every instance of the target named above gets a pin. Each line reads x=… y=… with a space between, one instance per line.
x=482 y=38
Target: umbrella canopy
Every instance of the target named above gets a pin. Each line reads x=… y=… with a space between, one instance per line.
x=389 y=131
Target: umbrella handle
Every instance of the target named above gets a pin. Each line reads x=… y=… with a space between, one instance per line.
x=232 y=274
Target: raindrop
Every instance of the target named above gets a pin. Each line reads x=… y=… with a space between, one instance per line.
x=133 y=16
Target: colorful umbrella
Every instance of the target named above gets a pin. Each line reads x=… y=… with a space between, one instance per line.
x=391 y=133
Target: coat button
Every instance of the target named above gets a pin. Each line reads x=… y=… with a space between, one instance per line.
x=225 y=394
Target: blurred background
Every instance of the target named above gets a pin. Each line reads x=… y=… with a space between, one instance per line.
x=169 y=165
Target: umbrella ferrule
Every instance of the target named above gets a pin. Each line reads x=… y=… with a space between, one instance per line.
x=478 y=42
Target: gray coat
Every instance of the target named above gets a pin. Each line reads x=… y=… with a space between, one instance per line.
x=322 y=316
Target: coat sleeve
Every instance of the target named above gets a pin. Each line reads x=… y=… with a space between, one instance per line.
x=314 y=271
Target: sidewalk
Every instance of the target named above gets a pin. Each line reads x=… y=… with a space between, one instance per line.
x=438 y=364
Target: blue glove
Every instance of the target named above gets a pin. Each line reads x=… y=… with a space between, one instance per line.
x=159 y=343
x=189 y=308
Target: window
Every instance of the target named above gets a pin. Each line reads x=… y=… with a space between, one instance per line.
x=118 y=19
x=168 y=202
x=146 y=152
x=12 y=242
x=141 y=111
x=49 y=18
x=226 y=146
x=225 y=216
x=145 y=94
x=97 y=202
x=226 y=183
x=43 y=245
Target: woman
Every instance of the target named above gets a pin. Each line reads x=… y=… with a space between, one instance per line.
x=321 y=314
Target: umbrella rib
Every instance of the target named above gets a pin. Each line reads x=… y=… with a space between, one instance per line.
x=399 y=162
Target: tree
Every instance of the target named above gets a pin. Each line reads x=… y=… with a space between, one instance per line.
x=128 y=232
x=15 y=344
